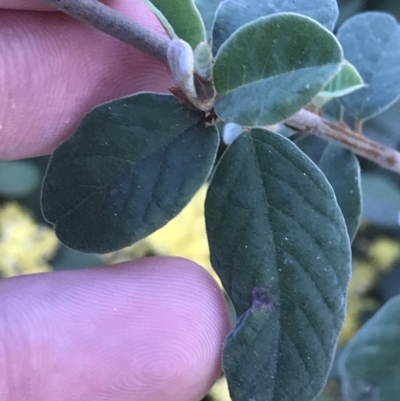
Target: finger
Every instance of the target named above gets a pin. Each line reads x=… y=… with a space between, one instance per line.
x=145 y=330
x=32 y=5
x=55 y=69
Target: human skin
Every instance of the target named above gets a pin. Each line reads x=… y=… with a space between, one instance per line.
x=55 y=69
x=147 y=330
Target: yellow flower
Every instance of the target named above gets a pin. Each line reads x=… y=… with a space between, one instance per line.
x=184 y=236
x=25 y=246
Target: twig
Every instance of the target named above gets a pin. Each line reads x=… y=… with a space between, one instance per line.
x=115 y=24
x=123 y=28
x=310 y=123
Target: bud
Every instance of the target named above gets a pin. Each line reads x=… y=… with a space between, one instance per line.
x=203 y=60
x=181 y=61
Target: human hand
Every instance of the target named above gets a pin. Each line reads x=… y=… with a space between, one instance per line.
x=54 y=69
x=146 y=330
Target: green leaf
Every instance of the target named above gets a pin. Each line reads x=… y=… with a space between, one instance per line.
x=371 y=42
x=257 y=329
x=181 y=18
x=342 y=170
x=279 y=243
x=132 y=166
x=232 y=14
x=333 y=110
x=18 y=178
x=168 y=27
x=207 y=10
x=290 y=59
x=346 y=81
x=370 y=363
x=381 y=200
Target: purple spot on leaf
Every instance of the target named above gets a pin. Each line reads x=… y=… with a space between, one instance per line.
x=261 y=299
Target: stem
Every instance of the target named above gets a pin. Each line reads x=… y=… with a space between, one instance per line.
x=310 y=123
x=119 y=26
x=123 y=28
x=359 y=126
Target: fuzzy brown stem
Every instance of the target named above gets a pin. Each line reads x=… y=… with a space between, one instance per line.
x=119 y=26
x=310 y=123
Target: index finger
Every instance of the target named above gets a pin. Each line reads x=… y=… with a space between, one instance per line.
x=55 y=69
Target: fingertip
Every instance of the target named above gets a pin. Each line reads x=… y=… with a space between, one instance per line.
x=149 y=329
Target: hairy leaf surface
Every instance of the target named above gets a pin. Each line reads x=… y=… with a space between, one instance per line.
x=342 y=170
x=132 y=166
x=279 y=243
x=290 y=59
x=371 y=42
x=232 y=14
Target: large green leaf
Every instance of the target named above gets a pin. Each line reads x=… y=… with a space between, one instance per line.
x=342 y=170
x=232 y=14
x=133 y=164
x=18 y=178
x=181 y=18
x=290 y=59
x=370 y=362
x=371 y=42
x=346 y=81
x=279 y=243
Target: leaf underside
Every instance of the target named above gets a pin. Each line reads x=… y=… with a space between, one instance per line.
x=371 y=42
x=346 y=81
x=290 y=60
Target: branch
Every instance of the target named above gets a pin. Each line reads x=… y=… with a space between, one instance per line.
x=310 y=123
x=111 y=22
x=123 y=28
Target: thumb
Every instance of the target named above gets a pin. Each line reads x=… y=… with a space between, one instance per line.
x=145 y=330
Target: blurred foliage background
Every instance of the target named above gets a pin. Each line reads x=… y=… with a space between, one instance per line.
x=28 y=244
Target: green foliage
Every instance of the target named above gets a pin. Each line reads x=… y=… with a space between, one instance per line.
x=280 y=212
x=370 y=363
x=371 y=43
x=347 y=80
x=181 y=19
x=232 y=14
x=342 y=170
x=207 y=10
x=131 y=167
x=270 y=215
x=290 y=59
